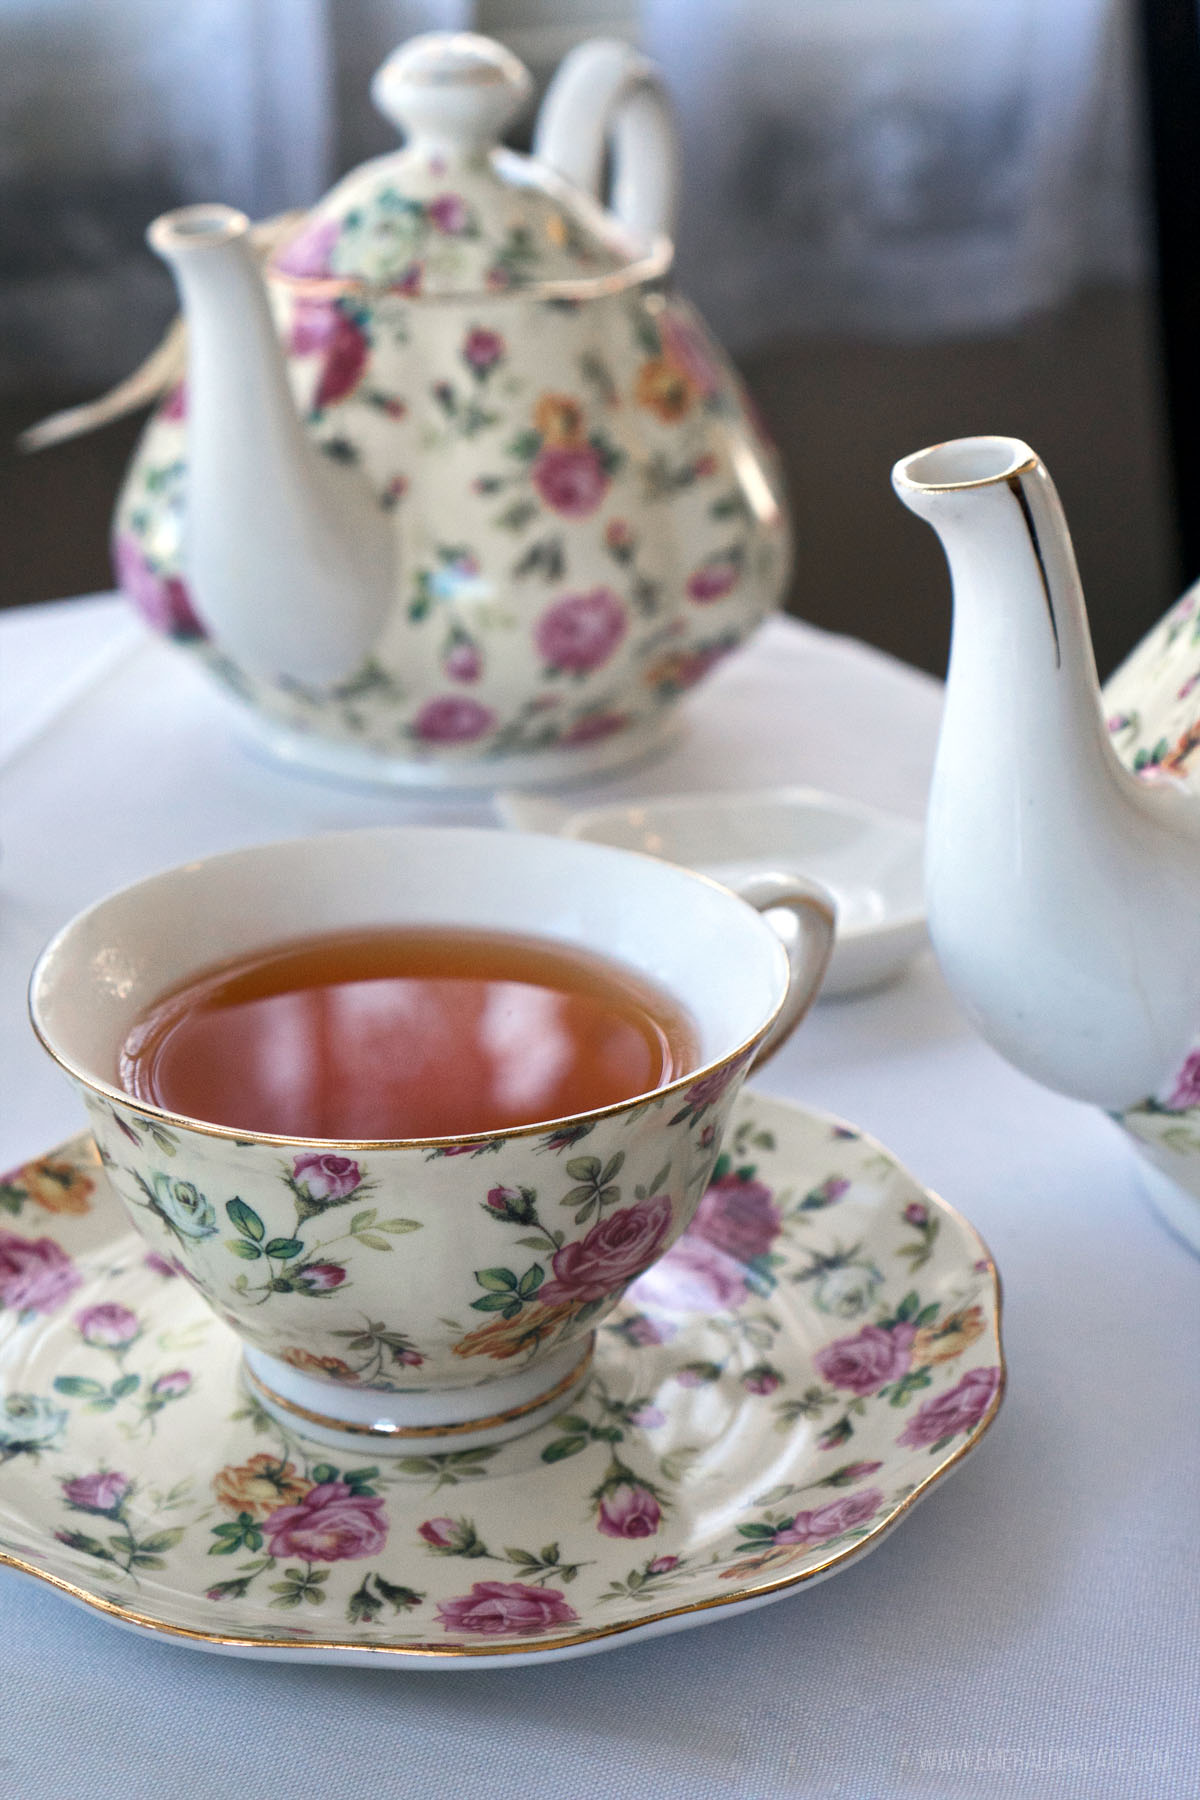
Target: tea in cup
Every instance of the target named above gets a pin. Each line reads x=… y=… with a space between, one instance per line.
x=412 y=1107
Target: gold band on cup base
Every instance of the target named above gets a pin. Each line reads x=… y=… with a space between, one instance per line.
x=384 y=1431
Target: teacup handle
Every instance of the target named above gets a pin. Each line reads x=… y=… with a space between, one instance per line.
x=808 y=951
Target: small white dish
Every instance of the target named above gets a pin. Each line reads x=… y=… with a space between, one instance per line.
x=870 y=861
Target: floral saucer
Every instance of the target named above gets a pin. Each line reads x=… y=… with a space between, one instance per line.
x=767 y=1402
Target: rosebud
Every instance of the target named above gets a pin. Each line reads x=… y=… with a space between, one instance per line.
x=170 y=1387
x=319 y=1278
x=916 y=1214
x=761 y=1380
x=514 y=1204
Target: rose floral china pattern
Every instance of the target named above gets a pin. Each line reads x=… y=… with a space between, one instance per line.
x=308 y=1246
x=766 y=1403
x=1153 y=707
x=583 y=516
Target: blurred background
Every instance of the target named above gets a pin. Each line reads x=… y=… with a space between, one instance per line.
x=908 y=220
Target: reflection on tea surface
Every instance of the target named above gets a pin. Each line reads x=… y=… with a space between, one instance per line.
x=405 y=1033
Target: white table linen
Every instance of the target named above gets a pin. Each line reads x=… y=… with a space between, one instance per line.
x=1033 y=1628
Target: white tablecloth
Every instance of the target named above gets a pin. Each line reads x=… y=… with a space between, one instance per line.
x=1032 y=1629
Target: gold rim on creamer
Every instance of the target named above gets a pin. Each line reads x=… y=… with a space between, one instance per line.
x=488 y=1423
x=280 y=1648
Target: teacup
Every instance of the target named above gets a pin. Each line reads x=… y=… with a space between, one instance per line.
x=426 y=1294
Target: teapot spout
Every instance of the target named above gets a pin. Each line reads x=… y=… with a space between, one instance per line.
x=288 y=556
x=1061 y=888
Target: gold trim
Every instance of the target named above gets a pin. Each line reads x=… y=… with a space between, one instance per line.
x=1027 y=463
x=640 y=273
x=329 y=1423
x=280 y=1648
x=543 y=1128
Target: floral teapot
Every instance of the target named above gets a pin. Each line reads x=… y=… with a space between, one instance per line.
x=456 y=491
x=1063 y=862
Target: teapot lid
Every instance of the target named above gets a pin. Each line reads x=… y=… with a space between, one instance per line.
x=453 y=214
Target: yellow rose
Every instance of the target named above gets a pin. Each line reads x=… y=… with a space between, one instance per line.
x=259 y=1486
x=503 y=1338
x=938 y=1343
x=559 y=419
x=665 y=390
x=59 y=1187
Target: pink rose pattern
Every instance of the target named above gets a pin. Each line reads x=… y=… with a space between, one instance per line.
x=331 y=1524
x=867 y=1361
x=613 y=1252
x=825 y=1522
x=580 y=632
x=506 y=1609
x=453 y=719
x=102 y=1492
x=325 y=1176
x=570 y=478
x=36 y=1276
x=571 y=472
x=629 y=1510
x=739 y=1216
x=342 y=1520
x=959 y=1409
x=162 y=600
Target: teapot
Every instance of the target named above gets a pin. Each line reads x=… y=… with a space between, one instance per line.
x=1063 y=845
x=456 y=491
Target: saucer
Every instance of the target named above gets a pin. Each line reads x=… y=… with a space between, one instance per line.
x=767 y=1403
x=870 y=861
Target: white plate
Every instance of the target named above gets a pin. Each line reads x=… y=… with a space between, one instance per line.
x=870 y=861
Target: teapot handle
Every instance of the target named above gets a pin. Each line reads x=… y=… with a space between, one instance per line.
x=607 y=95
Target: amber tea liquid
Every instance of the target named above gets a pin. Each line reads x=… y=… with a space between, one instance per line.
x=401 y=1033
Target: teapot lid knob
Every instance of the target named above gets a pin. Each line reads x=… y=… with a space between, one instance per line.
x=451 y=90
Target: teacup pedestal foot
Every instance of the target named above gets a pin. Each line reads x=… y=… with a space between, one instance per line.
x=372 y=1421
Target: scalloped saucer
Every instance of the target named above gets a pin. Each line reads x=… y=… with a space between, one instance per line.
x=767 y=1403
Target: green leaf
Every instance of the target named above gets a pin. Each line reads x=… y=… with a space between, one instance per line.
x=584 y=1168
x=494 y=1303
x=398 y=1227
x=162 y=1540
x=323 y=1472
x=927 y=1314
x=549 y=1553
x=522 y=1558
x=125 y=1385
x=561 y=1448
x=139 y=1560
x=401 y=1599
x=285 y=1247
x=612 y=1167
x=757 y=1533
x=908 y=1307
x=81 y=1385
x=531 y=1281
x=577 y=1194
x=244 y=1248
x=498 y=1280
x=246 y=1220
x=373 y=1241
x=362 y=1606
x=365 y=1217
